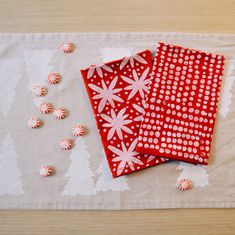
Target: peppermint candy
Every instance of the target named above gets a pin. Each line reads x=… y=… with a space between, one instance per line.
x=45 y=108
x=39 y=90
x=184 y=184
x=78 y=130
x=53 y=78
x=59 y=113
x=66 y=144
x=46 y=171
x=34 y=123
x=66 y=47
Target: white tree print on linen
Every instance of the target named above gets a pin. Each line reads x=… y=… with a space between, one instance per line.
x=106 y=94
x=112 y=53
x=38 y=65
x=125 y=156
x=196 y=173
x=226 y=98
x=9 y=77
x=132 y=60
x=10 y=175
x=79 y=174
x=106 y=182
x=140 y=109
x=117 y=123
x=99 y=69
x=139 y=84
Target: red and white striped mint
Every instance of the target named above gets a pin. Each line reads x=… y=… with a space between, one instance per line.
x=66 y=47
x=45 y=108
x=39 y=90
x=184 y=184
x=46 y=171
x=66 y=144
x=59 y=113
x=78 y=130
x=53 y=78
x=34 y=123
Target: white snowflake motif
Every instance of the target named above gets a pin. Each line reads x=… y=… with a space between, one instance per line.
x=98 y=69
x=150 y=157
x=106 y=94
x=140 y=109
x=131 y=59
x=125 y=156
x=138 y=84
x=117 y=123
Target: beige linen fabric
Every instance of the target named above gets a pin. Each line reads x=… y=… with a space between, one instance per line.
x=82 y=179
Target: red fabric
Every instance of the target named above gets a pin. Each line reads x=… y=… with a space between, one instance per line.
x=181 y=106
x=116 y=91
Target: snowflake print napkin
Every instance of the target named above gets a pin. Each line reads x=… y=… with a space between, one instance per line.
x=116 y=91
x=181 y=106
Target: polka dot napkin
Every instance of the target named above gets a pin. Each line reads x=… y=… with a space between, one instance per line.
x=117 y=91
x=181 y=106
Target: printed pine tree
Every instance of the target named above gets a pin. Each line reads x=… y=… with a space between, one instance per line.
x=196 y=173
x=106 y=182
x=79 y=174
x=10 y=175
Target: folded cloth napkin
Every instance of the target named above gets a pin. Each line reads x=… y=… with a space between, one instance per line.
x=116 y=91
x=180 y=109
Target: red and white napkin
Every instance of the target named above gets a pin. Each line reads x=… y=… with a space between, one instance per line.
x=117 y=92
x=180 y=109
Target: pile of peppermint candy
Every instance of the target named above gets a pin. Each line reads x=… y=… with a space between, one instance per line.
x=59 y=113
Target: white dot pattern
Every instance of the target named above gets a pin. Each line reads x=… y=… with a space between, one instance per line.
x=181 y=104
